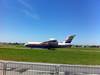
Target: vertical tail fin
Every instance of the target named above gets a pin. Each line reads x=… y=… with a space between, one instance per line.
x=69 y=39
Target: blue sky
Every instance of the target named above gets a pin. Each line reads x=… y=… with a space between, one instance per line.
x=39 y=20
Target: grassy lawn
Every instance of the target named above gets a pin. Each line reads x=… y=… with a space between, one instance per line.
x=62 y=55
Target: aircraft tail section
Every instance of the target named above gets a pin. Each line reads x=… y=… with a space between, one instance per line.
x=69 y=39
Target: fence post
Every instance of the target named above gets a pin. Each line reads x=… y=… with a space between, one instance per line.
x=4 y=68
x=57 y=69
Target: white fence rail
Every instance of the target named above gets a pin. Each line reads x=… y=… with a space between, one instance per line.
x=15 y=68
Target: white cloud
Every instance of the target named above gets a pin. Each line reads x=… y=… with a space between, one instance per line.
x=25 y=4
x=34 y=16
x=29 y=10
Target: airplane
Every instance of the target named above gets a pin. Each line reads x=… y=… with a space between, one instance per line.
x=51 y=44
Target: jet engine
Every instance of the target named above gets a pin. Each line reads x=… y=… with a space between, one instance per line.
x=53 y=43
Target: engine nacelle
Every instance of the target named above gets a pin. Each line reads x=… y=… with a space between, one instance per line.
x=53 y=43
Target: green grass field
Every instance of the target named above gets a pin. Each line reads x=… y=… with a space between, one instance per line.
x=61 y=55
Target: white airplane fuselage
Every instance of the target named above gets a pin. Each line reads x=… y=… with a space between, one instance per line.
x=47 y=45
x=51 y=43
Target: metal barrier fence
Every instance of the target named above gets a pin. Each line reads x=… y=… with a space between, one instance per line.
x=12 y=68
x=28 y=69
